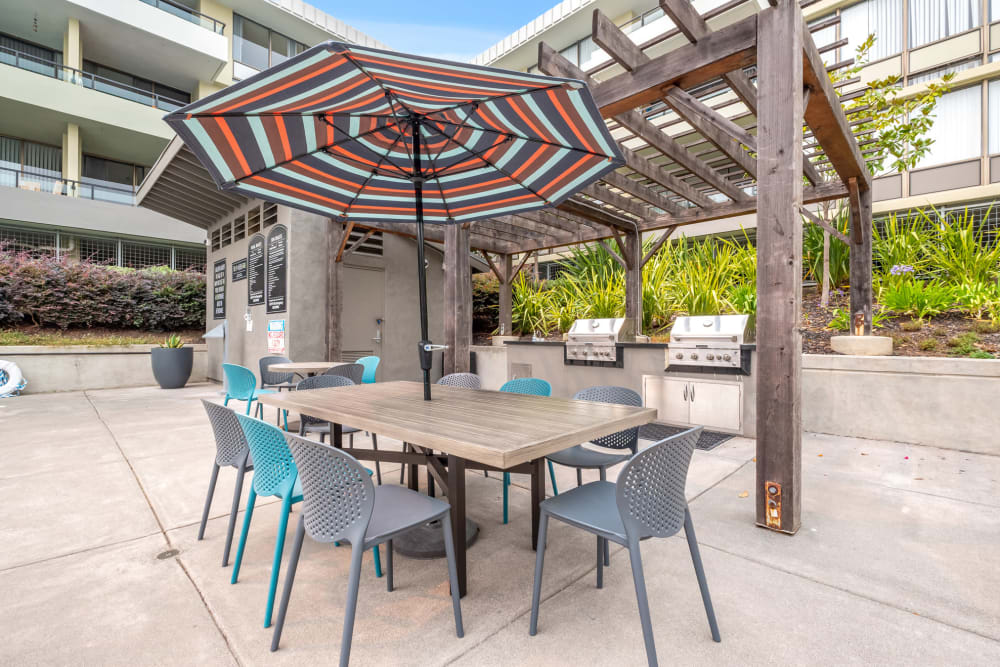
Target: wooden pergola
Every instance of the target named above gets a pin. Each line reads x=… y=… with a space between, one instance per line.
x=793 y=145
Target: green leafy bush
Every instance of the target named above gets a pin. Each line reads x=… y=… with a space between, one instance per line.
x=485 y=304
x=918 y=299
x=840 y=254
x=68 y=294
x=842 y=320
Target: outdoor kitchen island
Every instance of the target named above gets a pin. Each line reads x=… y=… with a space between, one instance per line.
x=721 y=399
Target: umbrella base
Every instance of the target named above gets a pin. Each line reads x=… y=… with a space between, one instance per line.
x=427 y=541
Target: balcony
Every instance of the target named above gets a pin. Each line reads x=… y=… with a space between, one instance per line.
x=114 y=193
x=188 y=14
x=101 y=84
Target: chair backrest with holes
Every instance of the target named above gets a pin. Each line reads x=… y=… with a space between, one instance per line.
x=321 y=382
x=230 y=443
x=274 y=469
x=354 y=371
x=370 y=365
x=650 y=487
x=337 y=492
x=461 y=380
x=270 y=377
x=532 y=386
x=240 y=380
x=629 y=438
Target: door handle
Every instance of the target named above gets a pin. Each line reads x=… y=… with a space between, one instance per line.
x=692 y=392
x=685 y=392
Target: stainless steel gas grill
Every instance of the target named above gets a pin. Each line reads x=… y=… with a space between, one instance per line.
x=595 y=342
x=710 y=342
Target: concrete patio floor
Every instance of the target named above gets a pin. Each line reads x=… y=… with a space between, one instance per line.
x=897 y=561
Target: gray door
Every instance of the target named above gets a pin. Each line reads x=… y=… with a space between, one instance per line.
x=363 y=307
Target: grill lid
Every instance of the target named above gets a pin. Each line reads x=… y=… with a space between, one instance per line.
x=606 y=329
x=712 y=329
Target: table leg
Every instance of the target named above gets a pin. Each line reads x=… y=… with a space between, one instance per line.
x=413 y=482
x=337 y=435
x=456 y=498
x=537 y=496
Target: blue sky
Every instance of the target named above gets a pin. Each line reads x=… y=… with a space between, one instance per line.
x=457 y=30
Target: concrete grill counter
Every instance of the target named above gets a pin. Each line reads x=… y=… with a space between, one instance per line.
x=721 y=399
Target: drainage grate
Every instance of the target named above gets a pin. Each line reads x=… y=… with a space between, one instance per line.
x=709 y=439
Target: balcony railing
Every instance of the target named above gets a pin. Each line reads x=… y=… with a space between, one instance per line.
x=25 y=61
x=188 y=14
x=57 y=185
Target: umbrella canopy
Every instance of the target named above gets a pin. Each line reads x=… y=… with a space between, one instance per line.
x=365 y=135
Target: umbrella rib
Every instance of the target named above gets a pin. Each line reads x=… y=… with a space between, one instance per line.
x=434 y=169
x=479 y=155
x=514 y=135
x=496 y=97
x=364 y=184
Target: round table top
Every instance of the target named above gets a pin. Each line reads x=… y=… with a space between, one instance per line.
x=305 y=366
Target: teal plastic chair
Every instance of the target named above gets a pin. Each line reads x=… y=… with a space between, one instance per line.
x=532 y=387
x=241 y=385
x=371 y=365
x=275 y=474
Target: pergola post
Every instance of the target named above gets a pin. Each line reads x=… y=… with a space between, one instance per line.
x=779 y=272
x=633 y=282
x=457 y=299
x=861 y=254
x=336 y=235
x=506 y=294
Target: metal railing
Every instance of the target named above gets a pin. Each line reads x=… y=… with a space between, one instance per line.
x=57 y=185
x=26 y=61
x=188 y=14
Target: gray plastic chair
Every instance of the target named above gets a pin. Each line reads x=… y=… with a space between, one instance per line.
x=647 y=501
x=340 y=504
x=309 y=424
x=272 y=380
x=231 y=449
x=463 y=380
x=356 y=372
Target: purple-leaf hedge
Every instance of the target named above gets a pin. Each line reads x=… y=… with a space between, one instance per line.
x=66 y=293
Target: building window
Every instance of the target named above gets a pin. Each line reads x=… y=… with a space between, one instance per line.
x=957 y=131
x=938 y=72
x=110 y=180
x=259 y=47
x=994 y=10
x=884 y=18
x=931 y=20
x=131 y=87
x=994 y=143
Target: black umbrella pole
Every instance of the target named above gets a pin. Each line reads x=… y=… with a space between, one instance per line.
x=426 y=356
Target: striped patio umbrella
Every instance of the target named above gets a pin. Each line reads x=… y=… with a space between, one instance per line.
x=365 y=135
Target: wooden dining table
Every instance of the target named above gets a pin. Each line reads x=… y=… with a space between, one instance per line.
x=463 y=429
x=307 y=368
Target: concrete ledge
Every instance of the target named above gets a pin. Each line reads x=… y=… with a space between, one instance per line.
x=869 y=346
x=934 y=401
x=80 y=367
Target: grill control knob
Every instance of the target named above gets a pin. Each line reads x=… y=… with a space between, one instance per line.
x=709 y=357
x=694 y=355
x=727 y=357
x=679 y=355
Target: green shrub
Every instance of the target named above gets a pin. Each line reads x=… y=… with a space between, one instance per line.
x=842 y=320
x=928 y=344
x=840 y=255
x=912 y=325
x=486 y=304
x=918 y=299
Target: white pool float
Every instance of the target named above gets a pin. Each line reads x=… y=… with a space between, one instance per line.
x=11 y=379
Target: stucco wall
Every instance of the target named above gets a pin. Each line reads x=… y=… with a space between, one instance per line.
x=80 y=367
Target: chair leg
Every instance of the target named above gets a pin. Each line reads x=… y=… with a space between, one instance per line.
x=640 y=594
x=378 y=467
x=699 y=571
x=579 y=477
x=293 y=561
x=536 y=593
x=600 y=561
x=354 y=581
x=506 y=483
x=552 y=475
x=378 y=562
x=402 y=466
x=243 y=536
x=388 y=566
x=449 y=550
x=225 y=401
x=234 y=512
x=284 y=414
x=607 y=547
x=249 y=405
x=279 y=549
x=208 y=499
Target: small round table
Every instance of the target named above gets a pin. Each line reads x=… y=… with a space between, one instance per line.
x=305 y=368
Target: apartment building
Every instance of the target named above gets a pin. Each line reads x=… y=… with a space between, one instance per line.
x=84 y=85
x=919 y=40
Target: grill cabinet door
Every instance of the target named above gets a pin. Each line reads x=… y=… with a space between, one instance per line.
x=716 y=404
x=670 y=398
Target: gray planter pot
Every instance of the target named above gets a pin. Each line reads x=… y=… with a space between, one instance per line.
x=172 y=366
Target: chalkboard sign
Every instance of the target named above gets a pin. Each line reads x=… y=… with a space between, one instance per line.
x=277 y=269
x=255 y=270
x=239 y=270
x=219 y=291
